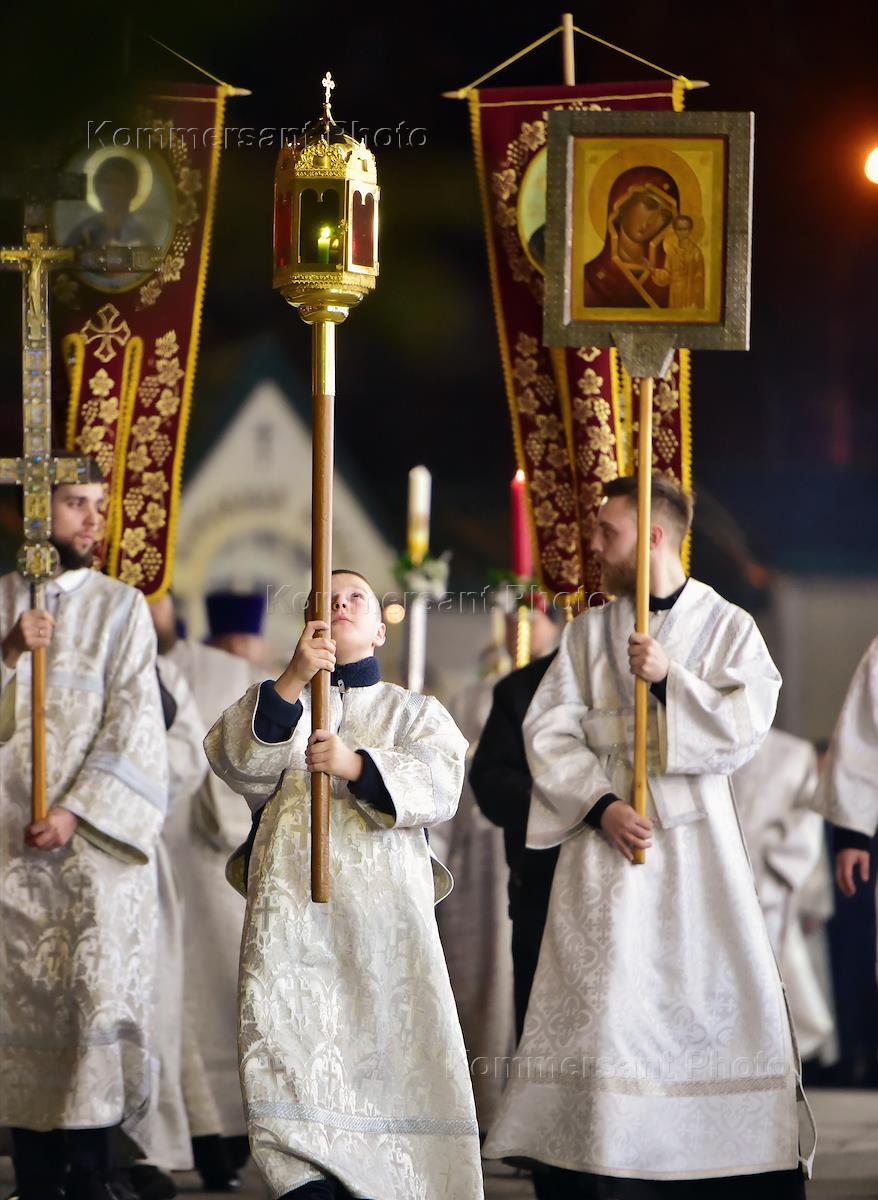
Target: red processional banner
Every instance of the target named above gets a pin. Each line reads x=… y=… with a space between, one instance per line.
x=129 y=339
x=571 y=410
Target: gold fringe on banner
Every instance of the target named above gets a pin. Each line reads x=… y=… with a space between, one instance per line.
x=131 y=368
x=505 y=362
x=73 y=353
x=223 y=92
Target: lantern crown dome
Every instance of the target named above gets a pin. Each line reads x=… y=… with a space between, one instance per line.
x=326 y=198
x=331 y=154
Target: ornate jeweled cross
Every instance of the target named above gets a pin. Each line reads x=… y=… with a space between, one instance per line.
x=36 y=470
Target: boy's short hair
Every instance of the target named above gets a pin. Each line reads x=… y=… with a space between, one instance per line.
x=346 y=571
x=668 y=500
x=359 y=575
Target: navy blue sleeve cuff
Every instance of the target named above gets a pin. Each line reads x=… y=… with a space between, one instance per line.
x=275 y=718
x=371 y=787
x=596 y=812
x=849 y=839
x=660 y=690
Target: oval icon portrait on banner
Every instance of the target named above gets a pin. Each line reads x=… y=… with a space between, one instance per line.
x=531 y=210
x=130 y=203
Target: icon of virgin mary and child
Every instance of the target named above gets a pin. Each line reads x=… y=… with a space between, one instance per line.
x=649 y=259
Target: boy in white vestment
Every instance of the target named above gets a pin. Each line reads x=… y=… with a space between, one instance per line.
x=657 y=1058
x=352 y=1062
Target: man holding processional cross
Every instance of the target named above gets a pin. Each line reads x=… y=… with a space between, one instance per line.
x=83 y=788
x=78 y=892
x=657 y=1058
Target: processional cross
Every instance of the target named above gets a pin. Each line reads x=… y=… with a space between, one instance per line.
x=36 y=470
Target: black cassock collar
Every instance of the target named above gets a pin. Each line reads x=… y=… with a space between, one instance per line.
x=660 y=603
x=363 y=673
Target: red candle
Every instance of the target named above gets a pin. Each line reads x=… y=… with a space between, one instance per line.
x=522 y=556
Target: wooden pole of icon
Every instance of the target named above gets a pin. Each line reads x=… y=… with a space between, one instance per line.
x=567 y=49
x=641 y=616
x=644 y=359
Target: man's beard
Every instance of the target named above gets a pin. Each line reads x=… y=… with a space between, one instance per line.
x=71 y=558
x=619 y=579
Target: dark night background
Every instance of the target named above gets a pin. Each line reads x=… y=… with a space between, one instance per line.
x=786 y=437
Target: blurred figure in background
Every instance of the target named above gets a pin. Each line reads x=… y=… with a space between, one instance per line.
x=474 y=921
x=235 y=620
x=201 y=834
x=848 y=798
x=774 y=794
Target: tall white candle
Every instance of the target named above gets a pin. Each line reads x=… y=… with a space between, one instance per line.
x=417 y=615
x=418 y=532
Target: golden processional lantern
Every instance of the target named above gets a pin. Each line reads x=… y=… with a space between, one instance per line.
x=325 y=261
x=325 y=221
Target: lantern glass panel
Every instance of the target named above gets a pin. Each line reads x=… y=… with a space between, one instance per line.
x=363 y=230
x=283 y=231
x=319 y=241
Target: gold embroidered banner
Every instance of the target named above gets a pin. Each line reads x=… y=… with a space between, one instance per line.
x=570 y=409
x=130 y=340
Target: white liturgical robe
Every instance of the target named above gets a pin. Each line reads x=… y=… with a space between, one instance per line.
x=657 y=1043
x=352 y=1059
x=78 y=925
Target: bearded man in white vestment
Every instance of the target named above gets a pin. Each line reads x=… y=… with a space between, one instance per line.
x=657 y=1048
x=78 y=918
x=352 y=1060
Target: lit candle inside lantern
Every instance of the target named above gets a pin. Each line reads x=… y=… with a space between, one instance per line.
x=323 y=244
x=522 y=556
x=418 y=533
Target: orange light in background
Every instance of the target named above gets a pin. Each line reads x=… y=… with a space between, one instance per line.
x=394 y=613
x=871 y=165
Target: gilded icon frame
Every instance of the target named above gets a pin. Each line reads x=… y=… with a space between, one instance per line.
x=648 y=228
